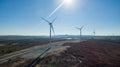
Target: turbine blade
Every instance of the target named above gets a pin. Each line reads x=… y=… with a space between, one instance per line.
x=45 y=19
x=53 y=20
x=77 y=28
x=53 y=29
x=82 y=27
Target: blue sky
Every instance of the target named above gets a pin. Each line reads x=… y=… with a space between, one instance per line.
x=23 y=17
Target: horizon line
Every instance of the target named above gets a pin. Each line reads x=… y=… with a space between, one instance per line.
x=60 y=35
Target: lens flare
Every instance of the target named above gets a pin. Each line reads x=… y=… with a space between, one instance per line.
x=65 y=2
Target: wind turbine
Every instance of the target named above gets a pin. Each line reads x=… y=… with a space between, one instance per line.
x=51 y=28
x=80 y=30
x=94 y=34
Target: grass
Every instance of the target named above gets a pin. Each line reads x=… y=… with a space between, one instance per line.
x=61 y=60
x=96 y=53
x=8 y=49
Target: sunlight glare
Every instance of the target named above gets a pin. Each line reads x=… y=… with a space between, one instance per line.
x=68 y=2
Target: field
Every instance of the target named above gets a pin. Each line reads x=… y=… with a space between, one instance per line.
x=88 y=53
x=96 y=53
x=92 y=53
x=8 y=46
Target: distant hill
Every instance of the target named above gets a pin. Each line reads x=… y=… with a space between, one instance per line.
x=2 y=38
x=17 y=37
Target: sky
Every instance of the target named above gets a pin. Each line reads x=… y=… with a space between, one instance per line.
x=23 y=17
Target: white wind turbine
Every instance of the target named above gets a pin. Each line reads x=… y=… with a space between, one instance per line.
x=94 y=33
x=80 y=29
x=51 y=28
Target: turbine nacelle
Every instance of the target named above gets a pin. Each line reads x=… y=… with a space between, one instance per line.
x=79 y=28
x=50 y=23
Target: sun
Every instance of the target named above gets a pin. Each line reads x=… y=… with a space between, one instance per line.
x=68 y=2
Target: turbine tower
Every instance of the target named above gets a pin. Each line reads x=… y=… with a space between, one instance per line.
x=51 y=28
x=80 y=30
x=94 y=34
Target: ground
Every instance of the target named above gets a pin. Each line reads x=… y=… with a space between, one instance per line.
x=91 y=53
x=96 y=53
